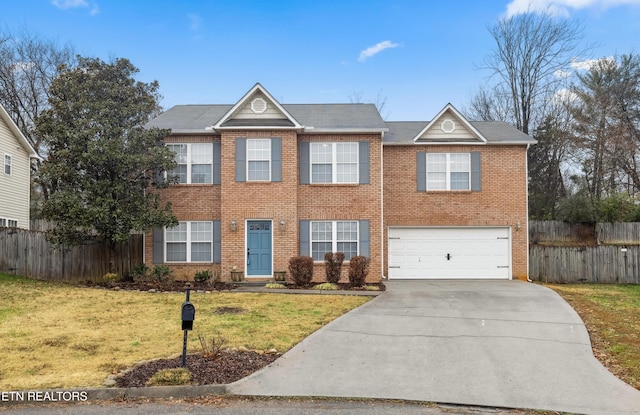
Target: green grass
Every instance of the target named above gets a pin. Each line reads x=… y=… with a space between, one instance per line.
x=60 y=336
x=612 y=316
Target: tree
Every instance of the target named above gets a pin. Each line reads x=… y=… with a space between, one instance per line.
x=380 y=102
x=28 y=64
x=532 y=49
x=101 y=159
x=545 y=160
x=606 y=126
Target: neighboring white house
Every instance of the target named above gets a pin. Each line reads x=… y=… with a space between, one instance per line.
x=15 y=177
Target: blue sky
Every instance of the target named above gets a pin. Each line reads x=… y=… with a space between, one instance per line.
x=419 y=55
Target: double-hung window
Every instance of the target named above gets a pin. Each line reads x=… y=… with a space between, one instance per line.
x=195 y=162
x=7 y=164
x=334 y=162
x=448 y=171
x=189 y=242
x=259 y=159
x=334 y=236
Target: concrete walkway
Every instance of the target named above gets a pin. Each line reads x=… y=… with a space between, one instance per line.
x=489 y=343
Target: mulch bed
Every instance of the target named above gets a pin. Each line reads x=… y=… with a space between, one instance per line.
x=229 y=367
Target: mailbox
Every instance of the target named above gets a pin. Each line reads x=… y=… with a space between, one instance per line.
x=188 y=315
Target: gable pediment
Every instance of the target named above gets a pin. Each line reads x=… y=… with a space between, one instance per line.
x=257 y=109
x=450 y=127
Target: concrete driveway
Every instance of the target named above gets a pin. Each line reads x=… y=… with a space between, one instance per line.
x=490 y=343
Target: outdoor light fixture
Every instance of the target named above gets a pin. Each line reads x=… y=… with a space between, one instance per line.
x=282 y=224
x=234 y=225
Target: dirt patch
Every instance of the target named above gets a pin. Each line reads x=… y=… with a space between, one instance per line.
x=229 y=310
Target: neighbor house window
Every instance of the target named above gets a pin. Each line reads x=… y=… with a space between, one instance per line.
x=8 y=223
x=334 y=162
x=7 y=164
x=334 y=236
x=195 y=163
x=189 y=242
x=448 y=171
x=259 y=159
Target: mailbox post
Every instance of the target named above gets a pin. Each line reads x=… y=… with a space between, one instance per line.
x=188 y=315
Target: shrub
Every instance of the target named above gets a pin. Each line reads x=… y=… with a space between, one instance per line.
x=328 y=286
x=169 y=377
x=203 y=276
x=301 y=270
x=212 y=349
x=110 y=277
x=275 y=286
x=358 y=270
x=161 y=273
x=333 y=266
x=139 y=273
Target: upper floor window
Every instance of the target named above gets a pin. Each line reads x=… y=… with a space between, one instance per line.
x=448 y=171
x=334 y=162
x=7 y=164
x=195 y=162
x=258 y=159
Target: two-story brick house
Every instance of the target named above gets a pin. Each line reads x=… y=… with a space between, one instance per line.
x=261 y=182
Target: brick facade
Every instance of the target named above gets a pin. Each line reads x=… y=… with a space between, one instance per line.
x=501 y=202
x=389 y=198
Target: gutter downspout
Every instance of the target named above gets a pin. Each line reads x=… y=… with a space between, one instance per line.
x=384 y=258
x=526 y=165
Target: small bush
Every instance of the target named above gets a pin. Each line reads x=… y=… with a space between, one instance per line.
x=275 y=286
x=333 y=266
x=329 y=286
x=301 y=270
x=203 y=276
x=110 y=277
x=161 y=273
x=139 y=273
x=212 y=349
x=169 y=377
x=358 y=270
x=371 y=288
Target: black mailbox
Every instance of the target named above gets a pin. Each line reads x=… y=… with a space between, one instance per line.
x=188 y=315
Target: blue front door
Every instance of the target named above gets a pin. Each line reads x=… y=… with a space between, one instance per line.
x=259 y=250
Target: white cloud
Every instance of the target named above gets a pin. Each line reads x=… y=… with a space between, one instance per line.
x=564 y=96
x=562 y=7
x=70 y=4
x=373 y=50
x=73 y=4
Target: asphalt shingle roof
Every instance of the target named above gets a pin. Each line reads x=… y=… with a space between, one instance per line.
x=199 y=118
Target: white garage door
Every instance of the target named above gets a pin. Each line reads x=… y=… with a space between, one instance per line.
x=464 y=252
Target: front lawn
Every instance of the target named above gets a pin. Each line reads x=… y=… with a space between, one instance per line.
x=612 y=316
x=61 y=336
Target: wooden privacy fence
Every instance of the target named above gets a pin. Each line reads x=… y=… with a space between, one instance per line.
x=594 y=264
x=28 y=253
x=562 y=252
